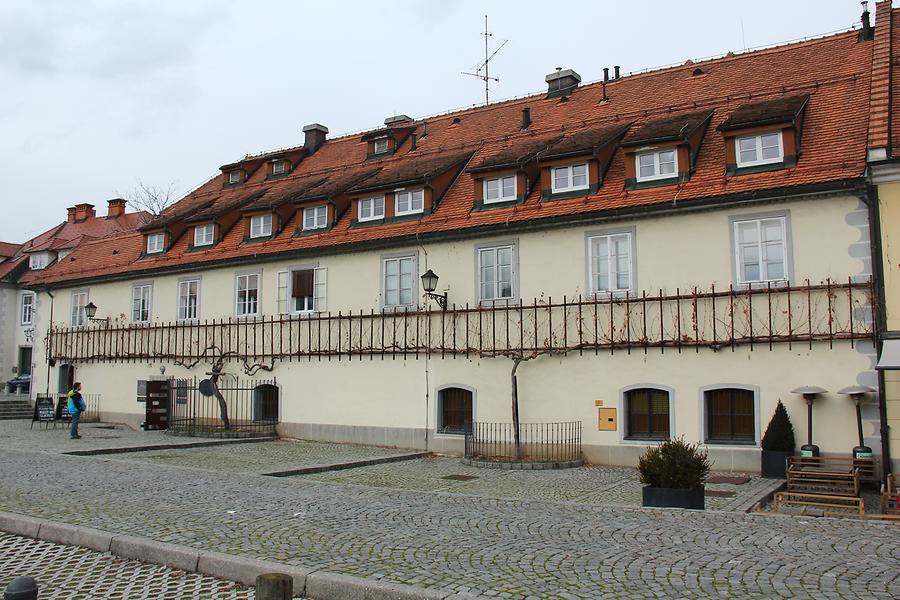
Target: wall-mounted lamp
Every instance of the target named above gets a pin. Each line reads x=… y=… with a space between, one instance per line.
x=429 y=284
x=809 y=394
x=858 y=393
x=90 y=310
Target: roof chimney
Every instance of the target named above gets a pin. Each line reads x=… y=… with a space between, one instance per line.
x=84 y=211
x=605 y=73
x=71 y=216
x=616 y=72
x=396 y=120
x=315 y=136
x=562 y=82
x=526 y=118
x=116 y=208
x=867 y=32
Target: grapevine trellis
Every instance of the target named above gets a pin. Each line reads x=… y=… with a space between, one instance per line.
x=758 y=316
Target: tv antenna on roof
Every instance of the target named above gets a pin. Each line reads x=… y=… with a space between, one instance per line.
x=481 y=71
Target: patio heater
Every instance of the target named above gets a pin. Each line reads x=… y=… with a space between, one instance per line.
x=809 y=392
x=858 y=393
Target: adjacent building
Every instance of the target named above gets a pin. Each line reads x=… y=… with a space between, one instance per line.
x=668 y=253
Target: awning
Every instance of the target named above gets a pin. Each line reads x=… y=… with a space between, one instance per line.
x=890 y=356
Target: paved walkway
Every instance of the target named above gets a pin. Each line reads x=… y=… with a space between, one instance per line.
x=69 y=573
x=502 y=548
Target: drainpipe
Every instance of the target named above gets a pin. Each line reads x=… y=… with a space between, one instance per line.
x=871 y=198
x=47 y=389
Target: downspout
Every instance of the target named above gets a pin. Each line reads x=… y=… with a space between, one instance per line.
x=871 y=198
x=47 y=388
x=427 y=353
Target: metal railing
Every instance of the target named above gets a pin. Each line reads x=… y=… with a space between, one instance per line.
x=247 y=409
x=533 y=442
x=91 y=415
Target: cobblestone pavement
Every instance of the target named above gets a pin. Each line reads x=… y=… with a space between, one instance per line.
x=71 y=573
x=18 y=433
x=453 y=542
x=261 y=457
x=590 y=485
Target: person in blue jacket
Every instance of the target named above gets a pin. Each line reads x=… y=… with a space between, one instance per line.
x=75 y=406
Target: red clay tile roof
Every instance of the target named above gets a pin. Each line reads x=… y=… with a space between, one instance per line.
x=584 y=142
x=677 y=127
x=880 y=108
x=93 y=227
x=835 y=72
x=765 y=112
x=8 y=250
x=512 y=152
x=413 y=169
x=10 y=268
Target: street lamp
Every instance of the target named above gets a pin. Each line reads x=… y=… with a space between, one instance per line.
x=858 y=393
x=90 y=310
x=429 y=284
x=809 y=394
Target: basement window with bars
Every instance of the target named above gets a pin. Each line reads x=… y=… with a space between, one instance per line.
x=454 y=410
x=647 y=411
x=302 y=290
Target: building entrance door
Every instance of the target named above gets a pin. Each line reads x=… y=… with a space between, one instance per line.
x=24 y=361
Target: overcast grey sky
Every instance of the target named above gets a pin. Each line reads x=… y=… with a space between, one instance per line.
x=97 y=94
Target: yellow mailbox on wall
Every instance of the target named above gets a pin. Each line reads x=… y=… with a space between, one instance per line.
x=606 y=419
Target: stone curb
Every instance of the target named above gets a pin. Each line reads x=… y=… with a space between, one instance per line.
x=172 y=446
x=367 y=462
x=320 y=585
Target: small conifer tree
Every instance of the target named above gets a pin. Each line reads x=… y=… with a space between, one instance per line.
x=779 y=436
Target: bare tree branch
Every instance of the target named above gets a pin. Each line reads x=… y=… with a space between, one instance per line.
x=151 y=198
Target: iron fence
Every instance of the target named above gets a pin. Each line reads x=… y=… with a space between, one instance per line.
x=92 y=401
x=532 y=442
x=757 y=316
x=246 y=409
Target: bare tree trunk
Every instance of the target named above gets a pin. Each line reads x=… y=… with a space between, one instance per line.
x=515 y=408
x=214 y=379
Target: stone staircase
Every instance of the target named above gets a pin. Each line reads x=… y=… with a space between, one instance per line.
x=15 y=407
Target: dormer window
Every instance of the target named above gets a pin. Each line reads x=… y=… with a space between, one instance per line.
x=409 y=202
x=39 y=260
x=656 y=165
x=381 y=146
x=370 y=209
x=500 y=189
x=261 y=226
x=315 y=217
x=156 y=243
x=235 y=176
x=279 y=167
x=761 y=149
x=204 y=235
x=570 y=178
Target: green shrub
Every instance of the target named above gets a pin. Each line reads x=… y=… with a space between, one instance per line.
x=779 y=434
x=674 y=464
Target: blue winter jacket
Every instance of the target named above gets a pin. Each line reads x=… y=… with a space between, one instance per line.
x=76 y=402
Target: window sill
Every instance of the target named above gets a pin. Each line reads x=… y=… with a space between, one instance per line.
x=732 y=169
x=501 y=303
x=569 y=193
x=645 y=441
x=776 y=284
x=750 y=445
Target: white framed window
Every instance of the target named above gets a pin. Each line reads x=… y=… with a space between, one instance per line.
x=39 y=260
x=381 y=146
x=315 y=217
x=79 y=301
x=759 y=149
x=156 y=243
x=204 y=235
x=398 y=280
x=569 y=178
x=611 y=264
x=760 y=251
x=409 y=202
x=235 y=176
x=279 y=167
x=141 y=297
x=656 y=165
x=302 y=290
x=247 y=295
x=496 y=272
x=189 y=300
x=370 y=209
x=499 y=189
x=260 y=226
x=26 y=312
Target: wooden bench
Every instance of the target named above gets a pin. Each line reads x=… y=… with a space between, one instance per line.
x=828 y=475
x=829 y=505
x=890 y=495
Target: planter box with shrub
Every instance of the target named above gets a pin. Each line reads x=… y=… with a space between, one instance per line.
x=777 y=444
x=673 y=474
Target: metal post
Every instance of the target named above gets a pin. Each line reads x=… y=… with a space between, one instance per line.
x=274 y=586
